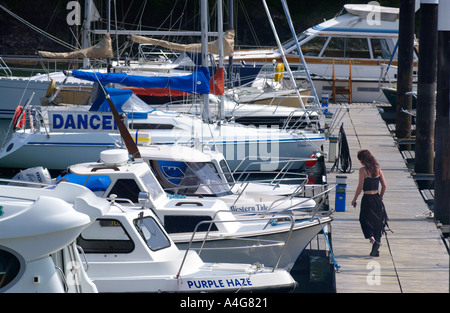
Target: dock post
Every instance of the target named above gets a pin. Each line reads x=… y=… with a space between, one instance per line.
x=442 y=133
x=426 y=90
x=405 y=68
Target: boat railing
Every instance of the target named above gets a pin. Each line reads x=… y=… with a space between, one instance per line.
x=16 y=182
x=5 y=68
x=319 y=198
x=252 y=162
x=384 y=77
x=257 y=243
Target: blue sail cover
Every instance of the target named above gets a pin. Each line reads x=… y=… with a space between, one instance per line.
x=118 y=97
x=197 y=82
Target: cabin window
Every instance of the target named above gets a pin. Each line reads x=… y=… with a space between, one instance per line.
x=153 y=235
x=10 y=267
x=335 y=48
x=380 y=48
x=150 y=126
x=357 y=48
x=127 y=189
x=313 y=46
x=105 y=236
x=199 y=178
x=186 y=224
x=341 y=47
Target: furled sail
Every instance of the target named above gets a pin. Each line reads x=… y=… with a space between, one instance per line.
x=213 y=46
x=101 y=50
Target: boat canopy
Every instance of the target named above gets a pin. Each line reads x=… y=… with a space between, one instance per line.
x=197 y=82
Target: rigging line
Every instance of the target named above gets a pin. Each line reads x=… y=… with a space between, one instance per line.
x=142 y=13
x=250 y=25
x=117 y=36
x=37 y=29
x=126 y=13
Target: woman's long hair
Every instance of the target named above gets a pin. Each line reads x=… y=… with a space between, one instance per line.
x=369 y=162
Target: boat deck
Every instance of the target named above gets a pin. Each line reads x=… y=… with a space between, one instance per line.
x=414 y=257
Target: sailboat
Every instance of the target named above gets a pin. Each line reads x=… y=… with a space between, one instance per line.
x=73 y=135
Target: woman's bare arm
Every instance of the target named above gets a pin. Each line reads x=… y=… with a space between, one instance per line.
x=360 y=186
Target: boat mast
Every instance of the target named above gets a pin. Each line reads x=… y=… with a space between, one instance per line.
x=300 y=53
x=283 y=55
x=204 y=36
x=87 y=29
x=220 y=31
x=230 y=58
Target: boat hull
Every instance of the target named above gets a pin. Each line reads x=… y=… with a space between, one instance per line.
x=58 y=150
x=252 y=251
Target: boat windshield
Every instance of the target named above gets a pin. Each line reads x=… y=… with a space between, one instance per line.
x=198 y=178
x=152 y=185
x=153 y=235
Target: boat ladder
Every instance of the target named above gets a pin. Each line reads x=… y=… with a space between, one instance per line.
x=345 y=90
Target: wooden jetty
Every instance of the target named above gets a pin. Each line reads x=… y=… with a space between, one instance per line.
x=414 y=258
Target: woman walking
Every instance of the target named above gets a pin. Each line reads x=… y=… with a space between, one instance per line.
x=373 y=217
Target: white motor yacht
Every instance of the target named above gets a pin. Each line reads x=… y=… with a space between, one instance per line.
x=36 y=223
x=128 y=251
x=365 y=34
x=180 y=216
x=120 y=248
x=205 y=173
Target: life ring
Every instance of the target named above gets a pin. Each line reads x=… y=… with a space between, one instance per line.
x=16 y=122
x=51 y=88
x=279 y=72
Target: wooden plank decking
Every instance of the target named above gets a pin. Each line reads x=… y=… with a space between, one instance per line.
x=414 y=257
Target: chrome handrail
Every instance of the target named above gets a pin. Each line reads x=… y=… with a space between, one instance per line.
x=5 y=68
x=256 y=217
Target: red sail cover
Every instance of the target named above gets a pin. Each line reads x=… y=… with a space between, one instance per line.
x=217 y=83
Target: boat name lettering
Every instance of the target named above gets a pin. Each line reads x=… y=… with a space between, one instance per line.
x=219 y=283
x=86 y=121
x=259 y=207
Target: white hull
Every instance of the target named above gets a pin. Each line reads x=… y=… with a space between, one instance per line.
x=37 y=222
x=253 y=247
x=59 y=149
x=16 y=91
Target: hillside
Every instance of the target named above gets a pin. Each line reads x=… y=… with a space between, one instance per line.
x=250 y=20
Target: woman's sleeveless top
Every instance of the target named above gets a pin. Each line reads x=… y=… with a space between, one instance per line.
x=371 y=183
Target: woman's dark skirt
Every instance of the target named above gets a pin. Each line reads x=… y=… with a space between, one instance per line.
x=373 y=217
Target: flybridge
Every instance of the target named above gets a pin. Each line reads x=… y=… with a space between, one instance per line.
x=82 y=121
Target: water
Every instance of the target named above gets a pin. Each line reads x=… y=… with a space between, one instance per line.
x=314 y=273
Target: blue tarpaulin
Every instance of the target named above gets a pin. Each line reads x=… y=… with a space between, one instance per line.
x=118 y=96
x=94 y=183
x=197 y=82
